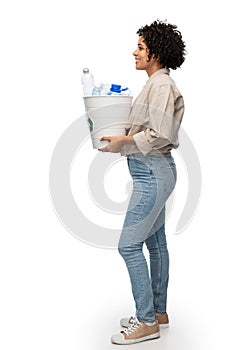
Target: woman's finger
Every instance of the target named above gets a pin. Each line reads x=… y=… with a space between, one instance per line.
x=105 y=138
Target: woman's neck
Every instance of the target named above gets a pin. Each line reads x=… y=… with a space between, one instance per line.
x=152 y=69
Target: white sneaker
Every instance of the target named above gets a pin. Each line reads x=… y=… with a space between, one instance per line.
x=136 y=333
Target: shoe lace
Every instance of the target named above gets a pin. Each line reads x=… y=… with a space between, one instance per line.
x=135 y=325
x=133 y=320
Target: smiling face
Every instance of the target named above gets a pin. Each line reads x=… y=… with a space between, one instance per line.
x=142 y=61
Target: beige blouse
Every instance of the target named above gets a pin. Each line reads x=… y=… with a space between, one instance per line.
x=155 y=116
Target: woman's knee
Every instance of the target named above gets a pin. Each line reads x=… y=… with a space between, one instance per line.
x=130 y=250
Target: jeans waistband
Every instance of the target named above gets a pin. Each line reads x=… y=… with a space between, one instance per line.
x=157 y=155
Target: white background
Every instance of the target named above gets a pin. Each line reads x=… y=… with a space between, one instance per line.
x=56 y=291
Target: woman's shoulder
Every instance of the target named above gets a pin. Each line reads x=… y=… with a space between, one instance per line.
x=161 y=82
x=161 y=77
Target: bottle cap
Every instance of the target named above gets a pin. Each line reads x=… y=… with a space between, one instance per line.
x=86 y=70
x=115 y=88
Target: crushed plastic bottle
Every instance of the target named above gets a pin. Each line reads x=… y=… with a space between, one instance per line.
x=111 y=89
x=119 y=90
x=96 y=90
x=105 y=89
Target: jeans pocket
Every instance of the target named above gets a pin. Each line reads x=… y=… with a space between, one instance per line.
x=138 y=167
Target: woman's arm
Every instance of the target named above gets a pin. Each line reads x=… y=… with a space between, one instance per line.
x=116 y=143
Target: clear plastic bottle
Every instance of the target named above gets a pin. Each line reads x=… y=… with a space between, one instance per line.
x=97 y=90
x=87 y=82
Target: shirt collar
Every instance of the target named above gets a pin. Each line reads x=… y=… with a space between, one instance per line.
x=160 y=71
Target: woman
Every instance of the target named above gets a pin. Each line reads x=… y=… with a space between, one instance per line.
x=155 y=119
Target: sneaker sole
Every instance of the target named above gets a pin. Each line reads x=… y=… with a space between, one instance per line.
x=163 y=325
x=134 y=341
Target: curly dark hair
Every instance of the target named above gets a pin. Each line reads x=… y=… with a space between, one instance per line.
x=164 y=41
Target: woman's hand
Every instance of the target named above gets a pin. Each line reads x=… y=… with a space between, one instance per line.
x=115 y=143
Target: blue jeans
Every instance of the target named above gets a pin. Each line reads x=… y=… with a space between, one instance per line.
x=154 y=178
